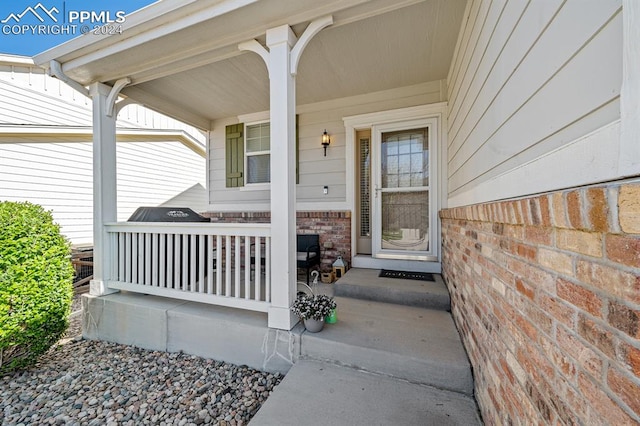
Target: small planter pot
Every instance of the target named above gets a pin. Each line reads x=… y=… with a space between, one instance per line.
x=313 y=326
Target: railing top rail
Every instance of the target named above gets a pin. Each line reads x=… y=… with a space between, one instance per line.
x=224 y=229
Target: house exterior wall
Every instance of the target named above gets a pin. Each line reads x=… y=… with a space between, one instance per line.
x=55 y=171
x=544 y=287
x=546 y=295
x=533 y=96
x=315 y=170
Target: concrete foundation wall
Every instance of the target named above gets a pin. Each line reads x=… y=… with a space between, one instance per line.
x=157 y=323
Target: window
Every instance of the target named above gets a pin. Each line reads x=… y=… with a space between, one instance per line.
x=248 y=154
x=257 y=151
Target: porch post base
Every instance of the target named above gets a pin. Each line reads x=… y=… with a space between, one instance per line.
x=99 y=288
x=281 y=318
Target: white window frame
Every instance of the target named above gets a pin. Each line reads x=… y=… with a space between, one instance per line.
x=247 y=184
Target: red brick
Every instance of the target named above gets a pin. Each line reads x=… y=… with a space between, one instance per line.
x=607 y=411
x=558 y=208
x=623 y=249
x=596 y=335
x=559 y=359
x=629 y=208
x=525 y=251
x=574 y=209
x=558 y=262
x=524 y=289
x=545 y=211
x=613 y=281
x=558 y=310
x=588 y=243
x=626 y=388
x=624 y=319
x=538 y=235
x=598 y=209
x=631 y=357
x=582 y=355
x=580 y=297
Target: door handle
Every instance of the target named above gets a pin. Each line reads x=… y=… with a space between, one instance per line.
x=376 y=189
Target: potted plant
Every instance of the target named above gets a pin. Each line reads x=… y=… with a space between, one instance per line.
x=312 y=309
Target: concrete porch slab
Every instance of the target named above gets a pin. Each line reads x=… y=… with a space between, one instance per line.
x=366 y=284
x=416 y=344
x=317 y=393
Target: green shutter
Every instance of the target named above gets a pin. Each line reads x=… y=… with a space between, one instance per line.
x=234 y=152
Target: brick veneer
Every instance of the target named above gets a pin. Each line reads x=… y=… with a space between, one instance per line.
x=546 y=294
x=332 y=226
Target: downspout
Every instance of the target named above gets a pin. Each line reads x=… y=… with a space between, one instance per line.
x=55 y=70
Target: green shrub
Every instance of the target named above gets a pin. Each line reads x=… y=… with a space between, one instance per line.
x=35 y=284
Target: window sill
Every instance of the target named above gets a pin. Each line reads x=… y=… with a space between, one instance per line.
x=256 y=187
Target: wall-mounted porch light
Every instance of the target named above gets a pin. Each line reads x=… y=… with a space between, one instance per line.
x=325 y=141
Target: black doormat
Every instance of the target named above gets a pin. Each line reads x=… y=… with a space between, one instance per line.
x=420 y=276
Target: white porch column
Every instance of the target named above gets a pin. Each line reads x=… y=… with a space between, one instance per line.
x=104 y=185
x=282 y=86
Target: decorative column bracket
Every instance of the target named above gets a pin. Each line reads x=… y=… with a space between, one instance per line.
x=113 y=95
x=296 y=52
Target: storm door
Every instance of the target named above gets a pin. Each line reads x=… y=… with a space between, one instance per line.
x=404 y=163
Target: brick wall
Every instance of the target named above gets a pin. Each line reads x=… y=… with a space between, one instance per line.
x=333 y=227
x=546 y=294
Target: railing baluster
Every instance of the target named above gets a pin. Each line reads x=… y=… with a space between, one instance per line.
x=154 y=259
x=134 y=258
x=184 y=264
x=267 y=267
x=192 y=263
x=227 y=266
x=218 y=265
x=177 y=250
x=162 y=261
x=170 y=256
x=210 y=272
x=238 y=257
x=147 y=259
x=121 y=253
x=258 y=271
x=247 y=267
x=201 y=265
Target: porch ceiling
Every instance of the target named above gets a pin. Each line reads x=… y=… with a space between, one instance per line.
x=183 y=60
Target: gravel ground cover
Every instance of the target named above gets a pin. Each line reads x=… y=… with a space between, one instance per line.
x=82 y=382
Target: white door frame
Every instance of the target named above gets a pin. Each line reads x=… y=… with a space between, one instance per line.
x=437 y=111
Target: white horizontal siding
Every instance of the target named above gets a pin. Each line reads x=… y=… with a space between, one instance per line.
x=31 y=97
x=58 y=176
x=315 y=170
x=527 y=79
x=56 y=171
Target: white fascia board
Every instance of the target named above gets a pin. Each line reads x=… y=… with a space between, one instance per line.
x=16 y=60
x=122 y=134
x=157 y=19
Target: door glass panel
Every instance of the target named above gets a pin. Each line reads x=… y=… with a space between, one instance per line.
x=365 y=185
x=405 y=158
x=405 y=220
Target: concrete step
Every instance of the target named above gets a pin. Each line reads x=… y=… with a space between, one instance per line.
x=367 y=285
x=317 y=393
x=415 y=344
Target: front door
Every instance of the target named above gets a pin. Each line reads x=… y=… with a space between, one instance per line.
x=403 y=177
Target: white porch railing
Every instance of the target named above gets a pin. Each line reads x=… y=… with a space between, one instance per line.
x=220 y=264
